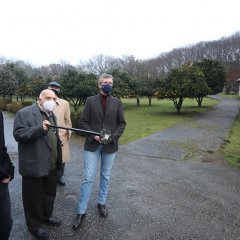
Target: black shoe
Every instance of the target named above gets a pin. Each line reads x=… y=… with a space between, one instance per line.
x=102 y=210
x=53 y=221
x=61 y=182
x=40 y=234
x=78 y=221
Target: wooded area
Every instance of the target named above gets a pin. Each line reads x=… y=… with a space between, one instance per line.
x=189 y=72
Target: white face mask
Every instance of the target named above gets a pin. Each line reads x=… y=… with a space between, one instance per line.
x=49 y=105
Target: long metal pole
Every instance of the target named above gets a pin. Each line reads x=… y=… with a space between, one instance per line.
x=77 y=130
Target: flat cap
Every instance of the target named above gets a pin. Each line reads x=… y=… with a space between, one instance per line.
x=56 y=84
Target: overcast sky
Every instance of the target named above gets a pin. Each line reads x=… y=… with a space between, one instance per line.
x=41 y=32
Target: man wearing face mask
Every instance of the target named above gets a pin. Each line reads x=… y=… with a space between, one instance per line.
x=102 y=111
x=63 y=114
x=40 y=157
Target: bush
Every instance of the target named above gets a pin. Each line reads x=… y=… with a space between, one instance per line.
x=13 y=107
x=26 y=103
x=4 y=102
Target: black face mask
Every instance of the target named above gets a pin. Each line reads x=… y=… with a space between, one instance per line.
x=107 y=88
x=57 y=92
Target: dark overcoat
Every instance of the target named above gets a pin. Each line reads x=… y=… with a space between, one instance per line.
x=34 y=147
x=6 y=166
x=94 y=119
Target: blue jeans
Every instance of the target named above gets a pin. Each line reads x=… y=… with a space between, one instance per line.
x=90 y=169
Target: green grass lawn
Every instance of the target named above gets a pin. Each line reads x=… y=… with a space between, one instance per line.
x=231 y=149
x=145 y=120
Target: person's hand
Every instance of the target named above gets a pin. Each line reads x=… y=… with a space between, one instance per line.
x=69 y=133
x=46 y=124
x=97 y=138
x=105 y=136
x=6 y=180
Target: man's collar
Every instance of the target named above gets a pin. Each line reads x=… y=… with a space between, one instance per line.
x=57 y=101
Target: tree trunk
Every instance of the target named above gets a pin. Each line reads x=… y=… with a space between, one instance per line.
x=199 y=101
x=178 y=104
x=149 y=101
x=138 y=101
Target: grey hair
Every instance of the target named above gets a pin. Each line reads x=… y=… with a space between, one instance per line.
x=104 y=76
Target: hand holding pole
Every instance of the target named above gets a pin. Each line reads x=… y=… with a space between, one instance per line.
x=105 y=135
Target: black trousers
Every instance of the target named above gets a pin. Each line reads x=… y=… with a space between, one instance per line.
x=61 y=172
x=38 y=199
x=5 y=212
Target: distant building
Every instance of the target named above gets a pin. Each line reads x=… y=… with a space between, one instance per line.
x=232 y=85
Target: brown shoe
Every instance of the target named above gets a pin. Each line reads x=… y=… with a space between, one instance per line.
x=78 y=221
x=102 y=210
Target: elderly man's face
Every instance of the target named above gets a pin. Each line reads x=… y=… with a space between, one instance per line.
x=47 y=100
x=47 y=95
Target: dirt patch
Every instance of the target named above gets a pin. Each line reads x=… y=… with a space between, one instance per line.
x=211 y=157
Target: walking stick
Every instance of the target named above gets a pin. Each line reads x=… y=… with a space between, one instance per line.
x=105 y=135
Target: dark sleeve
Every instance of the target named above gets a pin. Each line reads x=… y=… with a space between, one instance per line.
x=6 y=166
x=121 y=122
x=24 y=130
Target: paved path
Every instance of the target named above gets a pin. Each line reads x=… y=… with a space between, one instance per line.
x=172 y=185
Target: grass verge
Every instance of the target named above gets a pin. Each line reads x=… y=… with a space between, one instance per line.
x=231 y=148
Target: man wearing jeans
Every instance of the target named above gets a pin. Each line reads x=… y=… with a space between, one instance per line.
x=102 y=111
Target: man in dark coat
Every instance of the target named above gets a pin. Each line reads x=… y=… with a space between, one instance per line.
x=6 y=175
x=39 y=150
x=102 y=111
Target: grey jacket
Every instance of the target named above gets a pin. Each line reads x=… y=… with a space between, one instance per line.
x=34 y=148
x=94 y=119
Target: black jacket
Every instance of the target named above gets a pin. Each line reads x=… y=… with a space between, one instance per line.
x=94 y=119
x=6 y=166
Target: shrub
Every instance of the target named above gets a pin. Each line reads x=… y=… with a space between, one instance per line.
x=4 y=102
x=13 y=107
x=27 y=103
